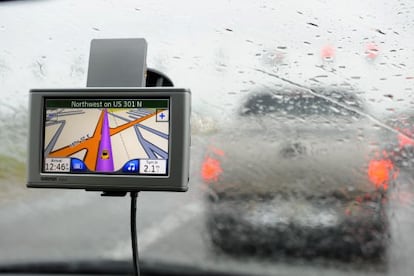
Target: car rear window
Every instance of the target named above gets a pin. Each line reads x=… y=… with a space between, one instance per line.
x=302 y=104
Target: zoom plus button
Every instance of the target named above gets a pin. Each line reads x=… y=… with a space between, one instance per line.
x=130 y=166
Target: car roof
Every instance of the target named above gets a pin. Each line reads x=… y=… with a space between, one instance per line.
x=273 y=100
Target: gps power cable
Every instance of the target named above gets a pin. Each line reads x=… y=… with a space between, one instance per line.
x=134 y=238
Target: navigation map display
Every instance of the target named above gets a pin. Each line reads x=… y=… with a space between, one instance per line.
x=106 y=136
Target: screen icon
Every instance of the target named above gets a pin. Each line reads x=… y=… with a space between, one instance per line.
x=130 y=166
x=162 y=115
x=77 y=165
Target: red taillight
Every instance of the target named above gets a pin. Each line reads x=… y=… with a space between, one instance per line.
x=217 y=151
x=381 y=172
x=403 y=140
x=328 y=52
x=211 y=169
x=371 y=50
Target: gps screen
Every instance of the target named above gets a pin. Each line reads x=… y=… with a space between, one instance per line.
x=106 y=136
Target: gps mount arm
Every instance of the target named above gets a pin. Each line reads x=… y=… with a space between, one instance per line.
x=122 y=63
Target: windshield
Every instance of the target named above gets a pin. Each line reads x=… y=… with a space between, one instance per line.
x=301 y=154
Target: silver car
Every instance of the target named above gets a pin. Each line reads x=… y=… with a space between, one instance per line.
x=283 y=178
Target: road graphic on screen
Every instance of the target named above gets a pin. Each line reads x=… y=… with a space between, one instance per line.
x=107 y=139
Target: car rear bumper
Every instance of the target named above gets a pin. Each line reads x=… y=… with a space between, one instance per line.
x=331 y=232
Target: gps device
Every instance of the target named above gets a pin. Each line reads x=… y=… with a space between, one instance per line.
x=110 y=139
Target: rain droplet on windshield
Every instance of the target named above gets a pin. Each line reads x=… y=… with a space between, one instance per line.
x=313 y=24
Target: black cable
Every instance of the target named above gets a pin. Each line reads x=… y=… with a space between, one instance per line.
x=134 y=239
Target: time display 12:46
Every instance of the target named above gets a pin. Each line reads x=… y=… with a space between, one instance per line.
x=57 y=165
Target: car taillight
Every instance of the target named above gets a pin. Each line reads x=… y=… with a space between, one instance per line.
x=381 y=171
x=211 y=169
x=371 y=50
x=328 y=53
x=404 y=140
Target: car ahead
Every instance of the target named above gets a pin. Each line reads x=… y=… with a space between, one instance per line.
x=293 y=175
x=400 y=144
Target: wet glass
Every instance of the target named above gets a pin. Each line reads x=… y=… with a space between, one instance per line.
x=302 y=135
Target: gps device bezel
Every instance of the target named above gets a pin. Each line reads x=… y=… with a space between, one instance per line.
x=179 y=143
